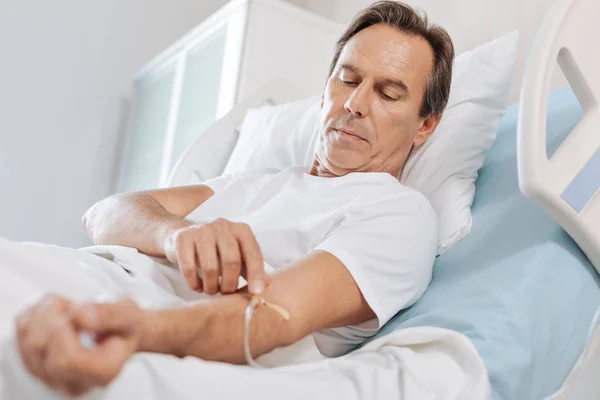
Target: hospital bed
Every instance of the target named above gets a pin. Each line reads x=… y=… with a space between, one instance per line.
x=522 y=286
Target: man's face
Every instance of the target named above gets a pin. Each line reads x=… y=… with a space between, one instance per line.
x=370 y=108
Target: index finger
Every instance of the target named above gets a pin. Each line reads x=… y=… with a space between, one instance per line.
x=122 y=316
x=252 y=257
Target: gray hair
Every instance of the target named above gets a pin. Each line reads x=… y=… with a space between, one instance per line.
x=408 y=20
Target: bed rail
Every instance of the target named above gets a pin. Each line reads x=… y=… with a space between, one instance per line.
x=567 y=184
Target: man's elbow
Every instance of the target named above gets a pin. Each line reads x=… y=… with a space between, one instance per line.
x=86 y=221
x=93 y=219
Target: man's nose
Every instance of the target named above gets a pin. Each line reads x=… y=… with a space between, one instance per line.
x=358 y=102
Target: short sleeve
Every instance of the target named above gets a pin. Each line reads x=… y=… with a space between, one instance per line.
x=389 y=246
x=218 y=183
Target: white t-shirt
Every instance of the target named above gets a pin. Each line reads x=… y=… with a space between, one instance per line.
x=382 y=231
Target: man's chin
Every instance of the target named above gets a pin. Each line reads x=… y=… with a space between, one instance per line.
x=343 y=162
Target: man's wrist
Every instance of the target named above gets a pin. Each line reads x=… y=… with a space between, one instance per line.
x=149 y=330
x=167 y=229
x=173 y=331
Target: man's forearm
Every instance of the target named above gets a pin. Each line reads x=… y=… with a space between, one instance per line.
x=317 y=291
x=133 y=220
x=215 y=331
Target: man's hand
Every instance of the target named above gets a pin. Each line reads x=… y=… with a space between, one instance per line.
x=221 y=249
x=48 y=342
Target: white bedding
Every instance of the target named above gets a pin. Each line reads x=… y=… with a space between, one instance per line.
x=417 y=363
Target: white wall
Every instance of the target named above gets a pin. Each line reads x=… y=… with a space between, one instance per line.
x=469 y=22
x=65 y=66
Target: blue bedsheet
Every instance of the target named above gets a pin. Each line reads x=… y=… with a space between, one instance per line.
x=518 y=286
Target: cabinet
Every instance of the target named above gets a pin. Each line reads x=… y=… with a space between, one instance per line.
x=200 y=77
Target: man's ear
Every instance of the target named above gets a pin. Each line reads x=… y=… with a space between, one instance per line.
x=427 y=128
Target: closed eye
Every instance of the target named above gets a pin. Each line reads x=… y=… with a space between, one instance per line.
x=348 y=82
x=387 y=97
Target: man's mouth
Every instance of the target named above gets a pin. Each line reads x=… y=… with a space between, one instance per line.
x=351 y=133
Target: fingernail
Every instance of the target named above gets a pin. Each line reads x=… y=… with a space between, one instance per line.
x=257 y=287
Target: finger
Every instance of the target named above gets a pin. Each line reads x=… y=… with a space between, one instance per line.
x=206 y=248
x=61 y=353
x=199 y=275
x=43 y=321
x=98 y=366
x=78 y=387
x=110 y=355
x=244 y=274
x=76 y=369
x=230 y=259
x=186 y=259
x=122 y=317
x=252 y=256
x=71 y=367
x=30 y=359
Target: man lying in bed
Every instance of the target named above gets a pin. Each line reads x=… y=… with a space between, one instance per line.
x=351 y=245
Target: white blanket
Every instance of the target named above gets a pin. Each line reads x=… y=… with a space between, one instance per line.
x=410 y=364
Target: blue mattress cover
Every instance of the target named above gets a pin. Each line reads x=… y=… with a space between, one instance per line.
x=518 y=286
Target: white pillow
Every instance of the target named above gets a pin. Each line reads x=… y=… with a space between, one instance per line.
x=444 y=169
x=276 y=136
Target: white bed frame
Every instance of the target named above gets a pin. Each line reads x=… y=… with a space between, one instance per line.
x=566 y=185
x=542 y=180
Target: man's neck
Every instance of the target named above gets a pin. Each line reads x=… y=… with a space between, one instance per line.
x=318 y=169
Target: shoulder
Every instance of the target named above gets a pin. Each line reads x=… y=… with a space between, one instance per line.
x=393 y=214
x=396 y=210
x=396 y=199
